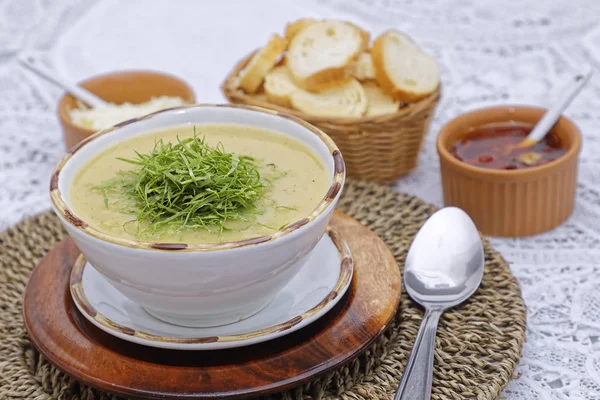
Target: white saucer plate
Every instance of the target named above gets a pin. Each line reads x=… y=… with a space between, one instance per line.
x=319 y=285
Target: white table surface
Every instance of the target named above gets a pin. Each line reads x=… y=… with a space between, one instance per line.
x=490 y=52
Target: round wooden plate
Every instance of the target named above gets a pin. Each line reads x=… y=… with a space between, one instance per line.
x=89 y=355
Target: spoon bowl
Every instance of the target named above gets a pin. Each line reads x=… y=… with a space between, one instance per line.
x=444 y=267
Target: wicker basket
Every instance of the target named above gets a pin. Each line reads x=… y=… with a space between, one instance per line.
x=378 y=149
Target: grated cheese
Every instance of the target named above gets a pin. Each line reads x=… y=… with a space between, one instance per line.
x=112 y=114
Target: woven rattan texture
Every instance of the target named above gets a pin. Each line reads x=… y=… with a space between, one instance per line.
x=377 y=149
x=478 y=344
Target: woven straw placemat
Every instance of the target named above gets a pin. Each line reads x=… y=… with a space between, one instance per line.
x=477 y=348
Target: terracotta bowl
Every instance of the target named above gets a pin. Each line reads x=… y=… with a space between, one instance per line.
x=510 y=202
x=120 y=87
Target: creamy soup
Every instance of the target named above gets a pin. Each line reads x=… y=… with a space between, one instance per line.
x=299 y=184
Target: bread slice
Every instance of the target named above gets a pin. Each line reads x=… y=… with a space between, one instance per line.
x=347 y=100
x=402 y=69
x=279 y=86
x=378 y=101
x=252 y=76
x=293 y=28
x=363 y=67
x=321 y=54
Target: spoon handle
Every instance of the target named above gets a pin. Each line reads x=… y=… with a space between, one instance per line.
x=553 y=114
x=418 y=374
x=31 y=61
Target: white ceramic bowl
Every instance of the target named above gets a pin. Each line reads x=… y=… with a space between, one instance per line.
x=201 y=285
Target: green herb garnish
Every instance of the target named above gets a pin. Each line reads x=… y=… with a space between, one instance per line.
x=188 y=185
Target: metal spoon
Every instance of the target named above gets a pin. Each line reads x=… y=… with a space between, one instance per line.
x=31 y=61
x=550 y=117
x=444 y=267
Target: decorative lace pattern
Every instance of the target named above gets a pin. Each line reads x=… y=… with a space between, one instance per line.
x=514 y=51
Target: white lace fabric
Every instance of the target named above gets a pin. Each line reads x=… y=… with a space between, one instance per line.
x=490 y=52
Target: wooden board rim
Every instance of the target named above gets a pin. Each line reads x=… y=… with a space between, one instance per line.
x=91 y=338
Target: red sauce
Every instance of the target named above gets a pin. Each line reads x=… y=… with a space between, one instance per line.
x=495 y=147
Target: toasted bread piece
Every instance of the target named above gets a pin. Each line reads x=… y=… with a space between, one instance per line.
x=347 y=100
x=261 y=96
x=403 y=69
x=293 y=28
x=378 y=101
x=321 y=55
x=252 y=76
x=279 y=86
x=363 y=67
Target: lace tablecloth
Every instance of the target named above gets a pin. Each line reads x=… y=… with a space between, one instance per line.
x=490 y=52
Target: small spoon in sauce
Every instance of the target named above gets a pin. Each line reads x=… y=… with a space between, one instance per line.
x=31 y=61
x=553 y=114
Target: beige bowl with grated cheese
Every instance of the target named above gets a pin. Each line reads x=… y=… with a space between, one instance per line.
x=130 y=94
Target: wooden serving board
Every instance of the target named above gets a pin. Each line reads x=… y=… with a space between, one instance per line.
x=93 y=357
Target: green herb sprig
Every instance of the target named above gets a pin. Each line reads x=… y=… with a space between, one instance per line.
x=188 y=185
